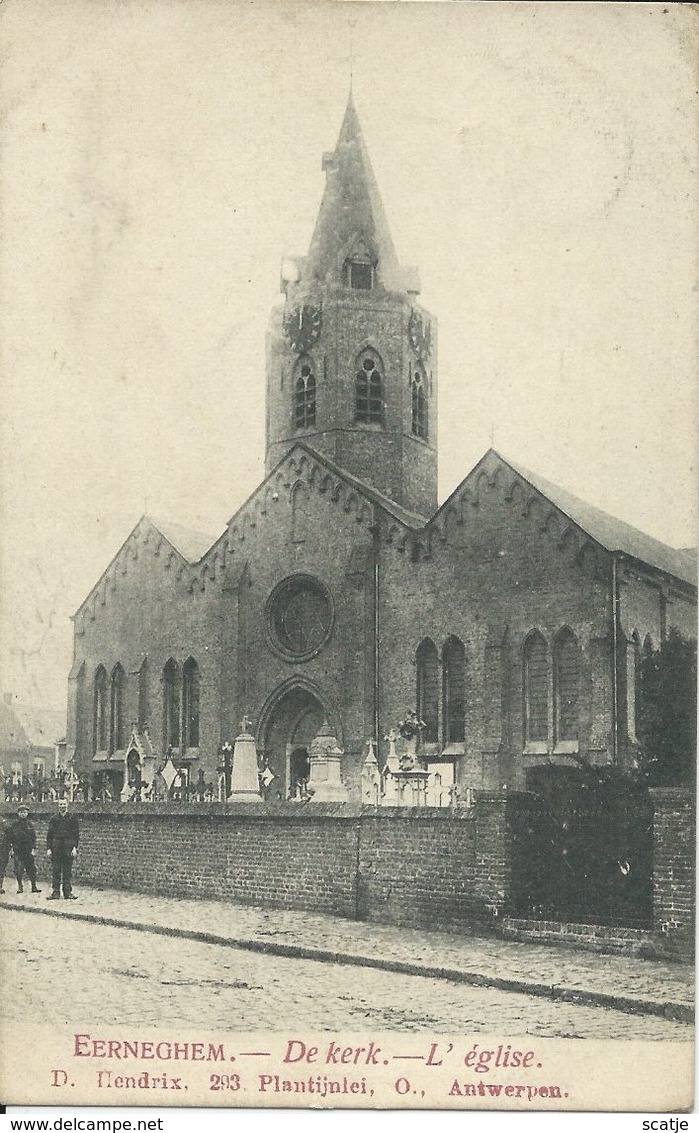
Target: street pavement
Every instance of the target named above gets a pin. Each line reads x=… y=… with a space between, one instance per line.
x=564 y=975
x=109 y=980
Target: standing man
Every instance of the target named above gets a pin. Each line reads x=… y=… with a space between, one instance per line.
x=62 y=839
x=23 y=839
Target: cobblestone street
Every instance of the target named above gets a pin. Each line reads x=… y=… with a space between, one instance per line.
x=648 y=986
x=117 y=975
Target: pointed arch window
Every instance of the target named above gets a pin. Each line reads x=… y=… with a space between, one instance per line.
x=190 y=703
x=536 y=690
x=428 y=689
x=418 y=387
x=117 y=689
x=171 y=705
x=304 y=394
x=453 y=682
x=100 y=710
x=566 y=687
x=633 y=684
x=368 y=385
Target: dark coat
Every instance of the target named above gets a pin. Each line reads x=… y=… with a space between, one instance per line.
x=23 y=836
x=63 y=833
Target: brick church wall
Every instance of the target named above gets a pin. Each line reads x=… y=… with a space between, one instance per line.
x=220 y=620
x=150 y=612
x=493 y=572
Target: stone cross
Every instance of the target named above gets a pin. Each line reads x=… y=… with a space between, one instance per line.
x=72 y=782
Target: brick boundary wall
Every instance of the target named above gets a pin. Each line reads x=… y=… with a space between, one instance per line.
x=409 y=866
x=674 y=868
x=419 y=867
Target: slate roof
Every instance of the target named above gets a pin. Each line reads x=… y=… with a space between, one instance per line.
x=351 y=207
x=191 y=544
x=610 y=532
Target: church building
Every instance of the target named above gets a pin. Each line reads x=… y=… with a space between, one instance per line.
x=341 y=598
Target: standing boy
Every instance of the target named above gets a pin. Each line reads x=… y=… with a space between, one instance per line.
x=23 y=839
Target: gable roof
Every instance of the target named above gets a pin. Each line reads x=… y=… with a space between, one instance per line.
x=191 y=544
x=611 y=533
x=411 y=519
x=403 y=515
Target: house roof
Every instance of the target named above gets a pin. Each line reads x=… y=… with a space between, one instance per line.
x=608 y=531
x=28 y=726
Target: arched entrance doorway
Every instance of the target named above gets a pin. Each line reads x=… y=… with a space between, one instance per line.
x=294 y=720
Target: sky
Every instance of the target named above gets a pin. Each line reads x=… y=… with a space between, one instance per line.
x=537 y=162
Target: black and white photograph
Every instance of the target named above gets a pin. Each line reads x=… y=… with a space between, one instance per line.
x=348 y=568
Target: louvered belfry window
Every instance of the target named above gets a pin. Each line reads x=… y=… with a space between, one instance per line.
x=536 y=717
x=566 y=683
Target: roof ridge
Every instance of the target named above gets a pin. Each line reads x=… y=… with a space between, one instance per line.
x=611 y=532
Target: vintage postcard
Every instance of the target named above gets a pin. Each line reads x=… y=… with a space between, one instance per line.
x=348 y=600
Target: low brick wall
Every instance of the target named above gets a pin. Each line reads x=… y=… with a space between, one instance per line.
x=674 y=838
x=593 y=938
x=421 y=867
x=442 y=868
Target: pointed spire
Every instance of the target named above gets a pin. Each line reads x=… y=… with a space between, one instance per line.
x=351 y=219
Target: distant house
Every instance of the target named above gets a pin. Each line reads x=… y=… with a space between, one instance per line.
x=29 y=737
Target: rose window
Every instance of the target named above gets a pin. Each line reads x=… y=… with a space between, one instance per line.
x=300 y=616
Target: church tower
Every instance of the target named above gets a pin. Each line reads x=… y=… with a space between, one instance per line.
x=352 y=357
